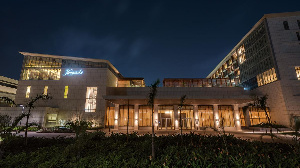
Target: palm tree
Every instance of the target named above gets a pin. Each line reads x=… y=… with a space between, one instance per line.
x=152 y=94
x=261 y=102
x=182 y=99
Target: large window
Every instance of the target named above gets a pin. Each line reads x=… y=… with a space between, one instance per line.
x=166 y=117
x=206 y=116
x=41 y=74
x=266 y=77
x=226 y=116
x=110 y=113
x=258 y=115
x=28 y=91
x=145 y=116
x=90 y=103
x=186 y=117
x=123 y=115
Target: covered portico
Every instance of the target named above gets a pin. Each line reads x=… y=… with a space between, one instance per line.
x=203 y=107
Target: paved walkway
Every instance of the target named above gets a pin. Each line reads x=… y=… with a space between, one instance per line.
x=245 y=134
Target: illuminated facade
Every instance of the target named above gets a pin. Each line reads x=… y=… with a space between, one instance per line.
x=8 y=88
x=265 y=61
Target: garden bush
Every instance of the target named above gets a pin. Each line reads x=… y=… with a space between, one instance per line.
x=192 y=150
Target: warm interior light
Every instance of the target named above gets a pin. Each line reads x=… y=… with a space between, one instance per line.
x=28 y=91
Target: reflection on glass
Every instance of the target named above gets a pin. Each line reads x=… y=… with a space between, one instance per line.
x=90 y=103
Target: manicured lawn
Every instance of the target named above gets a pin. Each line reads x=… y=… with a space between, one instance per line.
x=118 y=150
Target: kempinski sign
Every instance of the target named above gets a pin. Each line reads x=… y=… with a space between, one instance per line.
x=71 y=72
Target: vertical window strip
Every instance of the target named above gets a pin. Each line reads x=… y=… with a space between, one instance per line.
x=28 y=91
x=45 y=90
x=66 y=92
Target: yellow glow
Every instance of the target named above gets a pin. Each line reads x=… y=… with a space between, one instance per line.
x=297 y=72
x=45 y=90
x=28 y=91
x=66 y=92
x=41 y=74
x=90 y=103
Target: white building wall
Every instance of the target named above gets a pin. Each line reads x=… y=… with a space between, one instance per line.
x=74 y=105
x=287 y=54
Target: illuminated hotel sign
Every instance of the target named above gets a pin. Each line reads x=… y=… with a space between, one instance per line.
x=71 y=72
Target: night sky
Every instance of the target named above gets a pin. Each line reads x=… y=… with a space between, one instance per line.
x=141 y=38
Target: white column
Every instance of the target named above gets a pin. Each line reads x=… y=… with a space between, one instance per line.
x=116 y=124
x=155 y=116
x=176 y=117
x=196 y=117
x=236 y=117
x=136 y=117
x=216 y=116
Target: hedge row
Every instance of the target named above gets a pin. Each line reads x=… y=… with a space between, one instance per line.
x=120 y=150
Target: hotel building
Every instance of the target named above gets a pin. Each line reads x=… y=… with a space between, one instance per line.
x=8 y=88
x=265 y=61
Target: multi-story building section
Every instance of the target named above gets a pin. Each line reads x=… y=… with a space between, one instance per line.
x=8 y=88
x=265 y=61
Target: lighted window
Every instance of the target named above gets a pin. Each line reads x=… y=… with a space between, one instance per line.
x=28 y=91
x=266 y=77
x=90 y=103
x=298 y=72
x=45 y=90
x=41 y=74
x=286 y=25
x=66 y=92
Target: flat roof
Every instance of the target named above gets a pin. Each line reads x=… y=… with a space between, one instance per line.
x=70 y=58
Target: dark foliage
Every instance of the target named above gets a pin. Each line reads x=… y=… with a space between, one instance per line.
x=98 y=150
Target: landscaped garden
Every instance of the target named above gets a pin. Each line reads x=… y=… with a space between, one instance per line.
x=121 y=150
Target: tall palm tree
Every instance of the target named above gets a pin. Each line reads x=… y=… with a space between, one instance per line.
x=182 y=99
x=151 y=97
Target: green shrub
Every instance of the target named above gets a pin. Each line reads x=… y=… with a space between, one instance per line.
x=98 y=150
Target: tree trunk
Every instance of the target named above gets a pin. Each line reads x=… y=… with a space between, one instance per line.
x=153 y=150
x=26 y=128
x=180 y=123
x=108 y=119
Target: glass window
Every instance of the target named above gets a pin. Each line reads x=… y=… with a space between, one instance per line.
x=145 y=116
x=41 y=74
x=186 y=116
x=123 y=115
x=110 y=113
x=90 y=103
x=28 y=91
x=166 y=117
x=45 y=90
x=258 y=115
x=66 y=92
x=226 y=115
x=286 y=25
x=206 y=116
